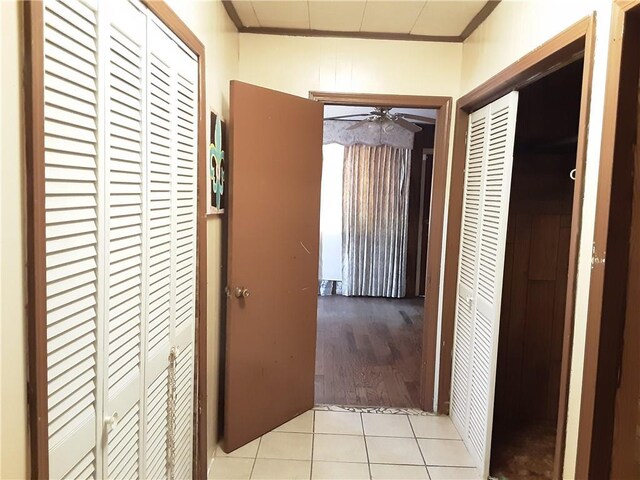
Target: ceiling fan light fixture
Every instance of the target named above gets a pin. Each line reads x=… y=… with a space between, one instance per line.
x=385 y=119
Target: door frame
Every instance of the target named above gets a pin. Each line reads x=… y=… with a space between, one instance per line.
x=37 y=394
x=575 y=42
x=444 y=106
x=607 y=300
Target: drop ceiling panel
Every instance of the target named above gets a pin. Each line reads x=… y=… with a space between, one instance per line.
x=246 y=13
x=396 y=16
x=340 y=16
x=446 y=18
x=282 y=14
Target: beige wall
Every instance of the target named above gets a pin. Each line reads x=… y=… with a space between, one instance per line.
x=514 y=29
x=297 y=65
x=13 y=415
x=212 y=26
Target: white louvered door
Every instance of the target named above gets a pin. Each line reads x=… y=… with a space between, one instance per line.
x=185 y=219
x=468 y=267
x=125 y=225
x=72 y=243
x=160 y=101
x=490 y=141
x=71 y=202
x=121 y=103
x=493 y=237
x=172 y=145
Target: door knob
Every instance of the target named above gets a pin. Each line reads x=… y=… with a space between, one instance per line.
x=241 y=292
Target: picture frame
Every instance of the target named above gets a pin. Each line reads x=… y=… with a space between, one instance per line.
x=216 y=171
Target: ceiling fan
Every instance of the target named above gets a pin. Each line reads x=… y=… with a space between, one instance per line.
x=384 y=114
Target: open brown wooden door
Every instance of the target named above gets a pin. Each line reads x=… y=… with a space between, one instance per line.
x=274 y=218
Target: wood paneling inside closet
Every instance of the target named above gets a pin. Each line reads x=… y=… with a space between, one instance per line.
x=536 y=263
x=534 y=295
x=535 y=282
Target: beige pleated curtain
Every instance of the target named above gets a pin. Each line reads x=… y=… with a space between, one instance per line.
x=375 y=221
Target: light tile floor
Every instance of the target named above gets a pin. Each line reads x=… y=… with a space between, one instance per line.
x=330 y=445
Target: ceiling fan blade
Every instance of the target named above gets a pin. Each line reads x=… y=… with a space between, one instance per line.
x=347 y=116
x=418 y=117
x=359 y=124
x=408 y=125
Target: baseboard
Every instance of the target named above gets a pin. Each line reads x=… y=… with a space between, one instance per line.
x=210 y=467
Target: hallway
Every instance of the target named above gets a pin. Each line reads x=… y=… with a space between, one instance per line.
x=352 y=443
x=369 y=351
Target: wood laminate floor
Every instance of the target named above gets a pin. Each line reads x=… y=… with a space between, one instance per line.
x=369 y=351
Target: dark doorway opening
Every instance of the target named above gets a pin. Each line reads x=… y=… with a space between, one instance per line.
x=532 y=323
x=370 y=345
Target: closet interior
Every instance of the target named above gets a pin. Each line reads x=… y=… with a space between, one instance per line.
x=535 y=276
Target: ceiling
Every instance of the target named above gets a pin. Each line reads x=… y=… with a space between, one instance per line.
x=337 y=110
x=435 y=20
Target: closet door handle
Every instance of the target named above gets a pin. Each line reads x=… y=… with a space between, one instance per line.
x=469 y=301
x=111 y=423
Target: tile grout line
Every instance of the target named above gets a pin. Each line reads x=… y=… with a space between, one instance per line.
x=366 y=447
x=313 y=441
x=255 y=459
x=415 y=437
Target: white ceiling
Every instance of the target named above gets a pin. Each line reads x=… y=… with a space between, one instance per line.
x=337 y=110
x=416 y=17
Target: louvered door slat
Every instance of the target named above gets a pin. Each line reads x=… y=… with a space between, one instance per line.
x=482 y=249
x=72 y=236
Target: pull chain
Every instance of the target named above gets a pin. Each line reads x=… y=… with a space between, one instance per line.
x=171 y=414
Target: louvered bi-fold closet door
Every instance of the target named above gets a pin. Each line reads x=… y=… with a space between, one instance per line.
x=72 y=241
x=185 y=221
x=468 y=267
x=161 y=308
x=172 y=184
x=125 y=232
x=478 y=303
x=121 y=95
